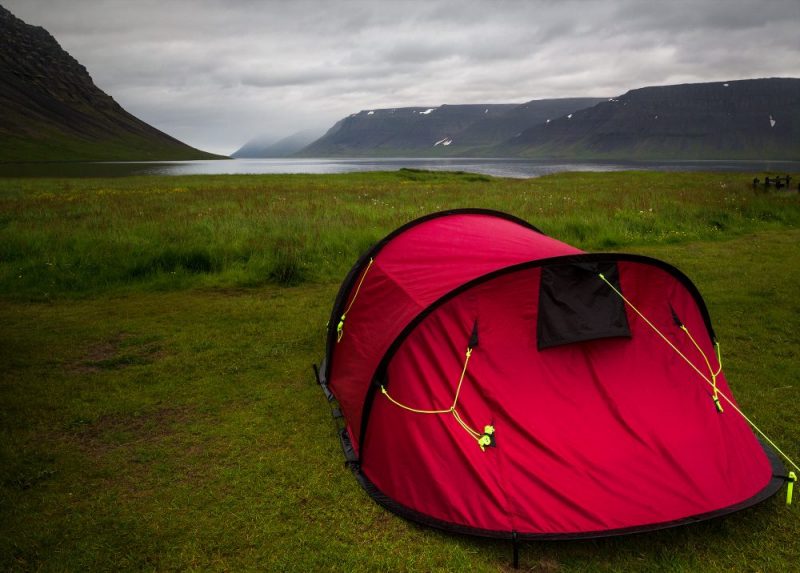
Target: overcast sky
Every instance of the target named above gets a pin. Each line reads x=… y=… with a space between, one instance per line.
x=217 y=73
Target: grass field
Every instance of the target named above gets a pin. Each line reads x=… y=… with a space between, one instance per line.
x=157 y=409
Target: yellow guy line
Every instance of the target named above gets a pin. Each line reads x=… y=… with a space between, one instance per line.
x=340 y=326
x=703 y=376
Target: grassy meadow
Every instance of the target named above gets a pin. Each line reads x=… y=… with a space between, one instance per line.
x=157 y=406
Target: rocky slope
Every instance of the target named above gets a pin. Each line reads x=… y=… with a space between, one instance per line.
x=744 y=119
x=50 y=109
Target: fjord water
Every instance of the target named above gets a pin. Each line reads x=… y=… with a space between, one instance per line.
x=520 y=168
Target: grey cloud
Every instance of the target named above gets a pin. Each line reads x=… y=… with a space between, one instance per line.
x=216 y=73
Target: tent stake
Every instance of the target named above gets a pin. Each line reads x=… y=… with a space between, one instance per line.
x=515 y=544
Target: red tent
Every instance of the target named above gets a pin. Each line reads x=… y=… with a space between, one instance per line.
x=498 y=382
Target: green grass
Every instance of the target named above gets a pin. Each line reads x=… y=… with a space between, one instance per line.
x=82 y=237
x=157 y=409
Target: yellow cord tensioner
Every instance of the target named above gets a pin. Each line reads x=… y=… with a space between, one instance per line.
x=713 y=374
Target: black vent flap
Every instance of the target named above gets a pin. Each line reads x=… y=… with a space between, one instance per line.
x=576 y=305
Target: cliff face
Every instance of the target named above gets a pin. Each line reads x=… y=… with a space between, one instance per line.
x=50 y=109
x=435 y=131
x=745 y=119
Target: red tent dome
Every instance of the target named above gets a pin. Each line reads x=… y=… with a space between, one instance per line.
x=496 y=381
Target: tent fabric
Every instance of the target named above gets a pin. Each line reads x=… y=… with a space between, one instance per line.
x=599 y=429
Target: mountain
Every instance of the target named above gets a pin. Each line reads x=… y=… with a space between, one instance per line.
x=744 y=119
x=50 y=109
x=263 y=147
x=432 y=131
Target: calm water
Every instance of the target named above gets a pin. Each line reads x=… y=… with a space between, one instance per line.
x=496 y=167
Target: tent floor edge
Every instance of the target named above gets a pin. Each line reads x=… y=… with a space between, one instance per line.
x=350 y=457
x=776 y=483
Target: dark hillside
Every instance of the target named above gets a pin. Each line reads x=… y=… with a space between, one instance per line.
x=50 y=109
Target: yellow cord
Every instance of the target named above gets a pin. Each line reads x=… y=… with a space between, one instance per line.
x=483 y=440
x=410 y=409
x=463 y=424
x=461 y=380
x=703 y=376
x=340 y=326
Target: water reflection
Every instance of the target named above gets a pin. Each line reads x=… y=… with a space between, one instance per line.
x=497 y=167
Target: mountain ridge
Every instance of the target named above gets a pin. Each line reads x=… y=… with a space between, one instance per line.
x=736 y=119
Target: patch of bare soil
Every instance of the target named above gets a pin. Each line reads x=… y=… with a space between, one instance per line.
x=112 y=431
x=119 y=351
